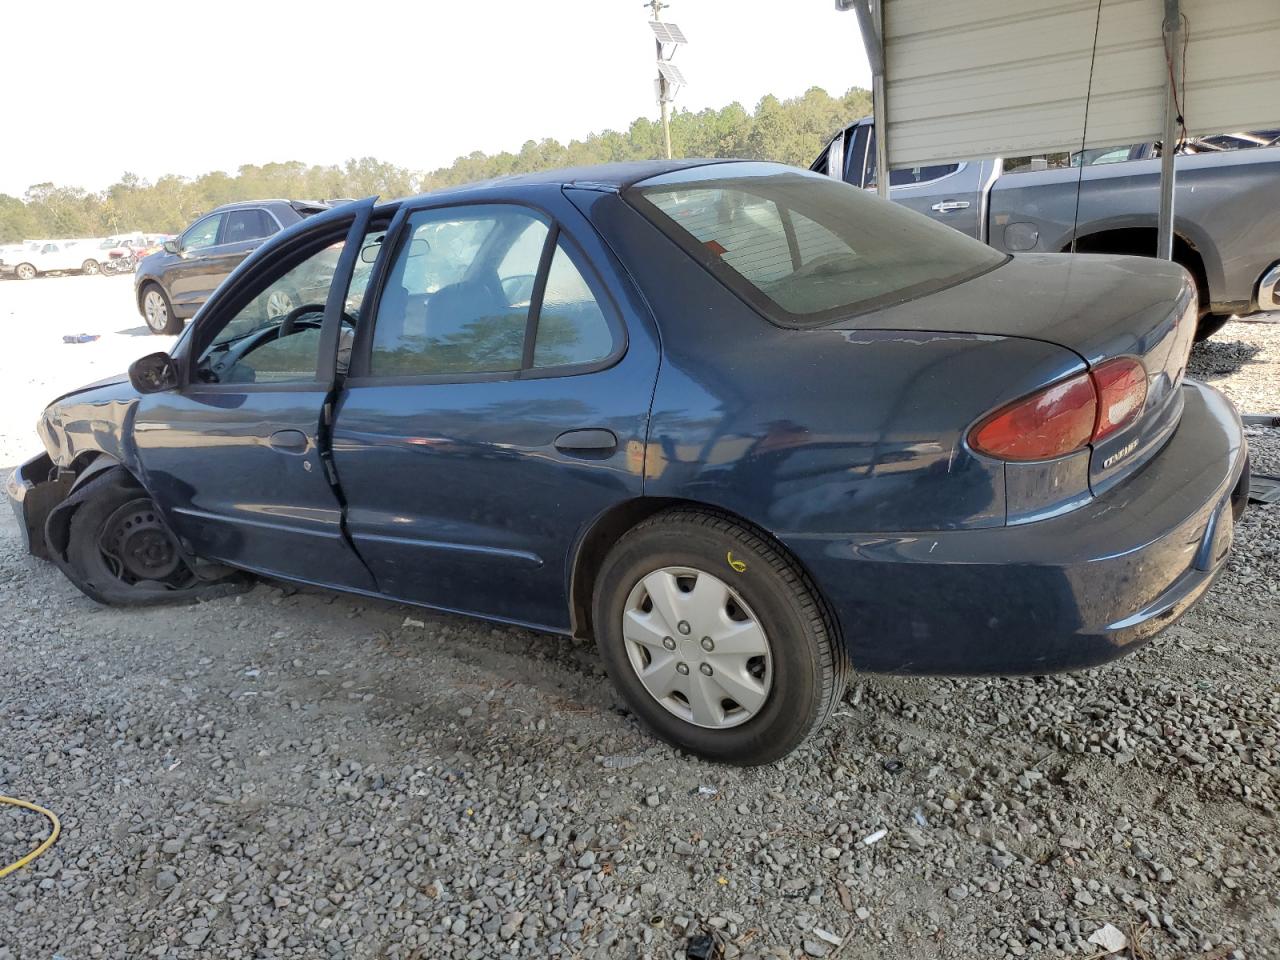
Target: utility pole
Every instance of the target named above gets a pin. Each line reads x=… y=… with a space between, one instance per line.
x=670 y=78
x=664 y=99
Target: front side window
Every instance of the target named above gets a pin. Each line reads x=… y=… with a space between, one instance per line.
x=459 y=297
x=805 y=249
x=204 y=233
x=252 y=224
x=275 y=338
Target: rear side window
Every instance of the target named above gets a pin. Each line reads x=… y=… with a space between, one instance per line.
x=572 y=328
x=806 y=249
x=247 y=225
x=911 y=176
x=463 y=297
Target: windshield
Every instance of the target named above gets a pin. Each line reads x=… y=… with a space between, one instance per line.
x=806 y=249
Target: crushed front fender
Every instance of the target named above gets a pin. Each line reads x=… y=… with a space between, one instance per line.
x=34 y=489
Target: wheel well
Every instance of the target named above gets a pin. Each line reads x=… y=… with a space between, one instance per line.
x=88 y=466
x=1141 y=242
x=610 y=526
x=142 y=290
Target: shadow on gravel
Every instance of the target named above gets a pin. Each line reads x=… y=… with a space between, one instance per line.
x=1217 y=358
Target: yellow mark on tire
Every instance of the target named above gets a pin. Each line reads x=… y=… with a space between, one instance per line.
x=737 y=565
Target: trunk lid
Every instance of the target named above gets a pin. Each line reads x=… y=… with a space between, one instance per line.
x=1097 y=306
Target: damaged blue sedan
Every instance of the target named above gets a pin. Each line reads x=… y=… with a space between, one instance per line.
x=748 y=427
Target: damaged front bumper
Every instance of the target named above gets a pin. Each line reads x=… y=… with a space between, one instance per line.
x=34 y=489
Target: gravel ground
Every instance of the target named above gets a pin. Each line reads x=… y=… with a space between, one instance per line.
x=301 y=774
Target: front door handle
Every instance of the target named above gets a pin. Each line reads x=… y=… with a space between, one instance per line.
x=946 y=206
x=591 y=441
x=289 y=441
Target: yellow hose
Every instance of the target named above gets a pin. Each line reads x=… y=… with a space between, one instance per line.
x=45 y=845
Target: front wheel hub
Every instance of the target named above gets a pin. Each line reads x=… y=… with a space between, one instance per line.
x=137 y=539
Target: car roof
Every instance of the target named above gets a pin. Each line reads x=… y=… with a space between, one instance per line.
x=612 y=177
x=240 y=204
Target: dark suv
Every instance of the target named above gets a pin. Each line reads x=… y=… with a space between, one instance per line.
x=172 y=284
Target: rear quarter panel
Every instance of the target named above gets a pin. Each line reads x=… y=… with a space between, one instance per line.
x=817 y=431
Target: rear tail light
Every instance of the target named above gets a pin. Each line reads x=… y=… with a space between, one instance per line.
x=1122 y=392
x=1066 y=416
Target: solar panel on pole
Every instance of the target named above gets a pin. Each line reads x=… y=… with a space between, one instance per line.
x=667 y=32
x=670 y=72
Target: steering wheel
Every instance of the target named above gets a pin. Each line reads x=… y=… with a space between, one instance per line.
x=291 y=318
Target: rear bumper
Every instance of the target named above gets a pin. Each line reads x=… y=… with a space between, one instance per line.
x=1057 y=594
x=32 y=495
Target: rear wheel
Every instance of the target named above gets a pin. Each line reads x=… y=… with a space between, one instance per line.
x=90 y=268
x=25 y=271
x=716 y=640
x=158 y=311
x=1210 y=324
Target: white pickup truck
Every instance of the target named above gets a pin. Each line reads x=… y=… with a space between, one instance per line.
x=50 y=256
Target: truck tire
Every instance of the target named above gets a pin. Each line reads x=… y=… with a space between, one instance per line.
x=90 y=268
x=1210 y=324
x=25 y=271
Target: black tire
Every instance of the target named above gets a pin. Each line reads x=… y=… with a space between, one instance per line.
x=1210 y=324
x=25 y=271
x=161 y=321
x=90 y=268
x=809 y=667
x=113 y=511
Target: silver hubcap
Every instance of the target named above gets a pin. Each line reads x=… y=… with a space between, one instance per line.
x=26 y=272
x=153 y=307
x=279 y=304
x=90 y=267
x=697 y=648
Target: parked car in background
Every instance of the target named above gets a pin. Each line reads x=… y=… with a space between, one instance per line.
x=1226 y=231
x=747 y=426
x=52 y=256
x=172 y=284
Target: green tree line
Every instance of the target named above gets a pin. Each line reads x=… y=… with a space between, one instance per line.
x=791 y=131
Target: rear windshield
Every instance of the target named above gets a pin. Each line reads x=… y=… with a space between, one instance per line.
x=805 y=249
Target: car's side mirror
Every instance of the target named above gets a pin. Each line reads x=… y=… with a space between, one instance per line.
x=171 y=246
x=154 y=373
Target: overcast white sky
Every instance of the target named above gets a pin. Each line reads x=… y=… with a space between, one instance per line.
x=413 y=82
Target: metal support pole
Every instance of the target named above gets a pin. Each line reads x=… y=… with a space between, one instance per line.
x=878 y=105
x=871 y=24
x=1171 y=30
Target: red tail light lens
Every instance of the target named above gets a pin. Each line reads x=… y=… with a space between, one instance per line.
x=1049 y=423
x=1122 y=393
x=1065 y=416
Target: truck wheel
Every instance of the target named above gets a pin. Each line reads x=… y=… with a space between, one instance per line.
x=25 y=271
x=1210 y=324
x=719 y=643
x=90 y=268
x=158 y=311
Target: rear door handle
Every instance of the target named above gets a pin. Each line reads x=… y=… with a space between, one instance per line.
x=289 y=441
x=591 y=441
x=946 y=206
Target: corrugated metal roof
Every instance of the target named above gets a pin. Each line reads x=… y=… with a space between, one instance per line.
x=1008 y=77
